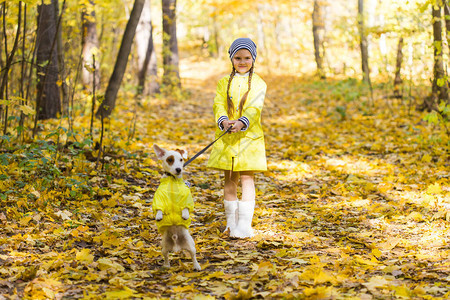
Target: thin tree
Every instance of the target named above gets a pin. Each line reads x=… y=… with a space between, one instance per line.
x=171 y=76
x=48 y=100
x=447 y=25
x=364 y=45
x=2 y=8
x=215 y=34
x=61 y=62
x=89 y=42
x=439 y=89
x=9 y=60
x=363 y=42
x=447 y=19
x=398 y=67
x=146 y=54
x=109 y=102
x=260 y=30
x=318 y=20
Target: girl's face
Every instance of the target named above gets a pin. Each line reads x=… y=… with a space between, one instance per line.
x=242 y=61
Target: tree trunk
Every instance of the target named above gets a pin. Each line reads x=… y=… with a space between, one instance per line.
x=447 y=24
x=90 y=44
x=260 y=30
x=9 y=60
x=447 y=20
x=2 y=35
x=61 y=62
x=439 y=90
x=318 y=20
x=146 y=53
x=364 y=45
x=215 y=36
x=48 y=100
x=363 y=42
x=171 y=75
x=108 y=104
x=398 y=68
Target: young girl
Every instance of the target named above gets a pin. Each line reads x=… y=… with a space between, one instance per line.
x=238 y=103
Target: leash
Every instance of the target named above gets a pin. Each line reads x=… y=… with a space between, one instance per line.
x=206 y=148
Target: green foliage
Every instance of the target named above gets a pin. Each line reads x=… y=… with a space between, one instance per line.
x=441 y=81
x=440 y=118
x=342 y=110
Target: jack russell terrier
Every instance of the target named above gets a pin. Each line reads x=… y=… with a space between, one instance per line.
x=172 y=205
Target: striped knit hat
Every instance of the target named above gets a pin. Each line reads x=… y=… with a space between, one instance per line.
x=242 y=43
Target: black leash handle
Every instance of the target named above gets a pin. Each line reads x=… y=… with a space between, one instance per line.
x=206 y=148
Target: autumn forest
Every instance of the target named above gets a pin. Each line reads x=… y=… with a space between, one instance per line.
x=355 y=202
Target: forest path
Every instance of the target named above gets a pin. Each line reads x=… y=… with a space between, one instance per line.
x=355 y=203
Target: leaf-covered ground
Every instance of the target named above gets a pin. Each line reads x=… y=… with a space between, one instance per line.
x=356 y=203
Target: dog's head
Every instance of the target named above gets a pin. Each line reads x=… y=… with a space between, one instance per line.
x=172 y=160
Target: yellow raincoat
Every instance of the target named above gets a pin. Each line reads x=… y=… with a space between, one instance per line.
x=244 y=150
x=171 y=197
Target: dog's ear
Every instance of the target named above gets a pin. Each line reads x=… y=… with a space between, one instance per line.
x=183 y=153
x=159 y=151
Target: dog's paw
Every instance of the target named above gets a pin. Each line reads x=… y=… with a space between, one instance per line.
x=197 y=266
x=185 y=214
x=159 y=215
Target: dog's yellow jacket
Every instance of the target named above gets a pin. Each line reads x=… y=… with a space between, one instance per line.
x=244 y=150
x=171 y=197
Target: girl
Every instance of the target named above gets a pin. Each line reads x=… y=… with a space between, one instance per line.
x=238 y=103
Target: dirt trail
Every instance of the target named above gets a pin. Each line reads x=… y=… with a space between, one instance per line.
x=355 y=204
x=336 y=214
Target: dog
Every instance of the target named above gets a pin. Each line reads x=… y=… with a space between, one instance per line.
x=172 y=205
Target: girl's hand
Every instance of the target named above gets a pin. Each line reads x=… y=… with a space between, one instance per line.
x=227 y=123
x=237 y=126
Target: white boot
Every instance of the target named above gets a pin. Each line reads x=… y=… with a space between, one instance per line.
x=244 y=225
x=231 y=208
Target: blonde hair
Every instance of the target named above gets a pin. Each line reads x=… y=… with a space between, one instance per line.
x=230 y=106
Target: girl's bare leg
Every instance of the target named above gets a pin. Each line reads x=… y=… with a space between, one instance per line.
x=248 y=186
x=230 y=187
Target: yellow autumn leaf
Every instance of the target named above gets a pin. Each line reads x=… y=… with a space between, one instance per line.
x=124 y=293
x=402 y=291
x=84 y=255
x=317 y=275
x=377 y=253
x=204 y=297
x=106 y=263
x=117 y=282
x=323 y=277
x=64 y=215
x=434 y=189
x=376 y=282
x=265 y=268
x=363 y=261
x=24 y=221
x=243 y=294
x=111 y=202
x=426 y=158
x=389 y=244
x=27 y=110
x=320 y=292
x=416 y=216
x=43 y=288
x=183 y=289
x=384 y=187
